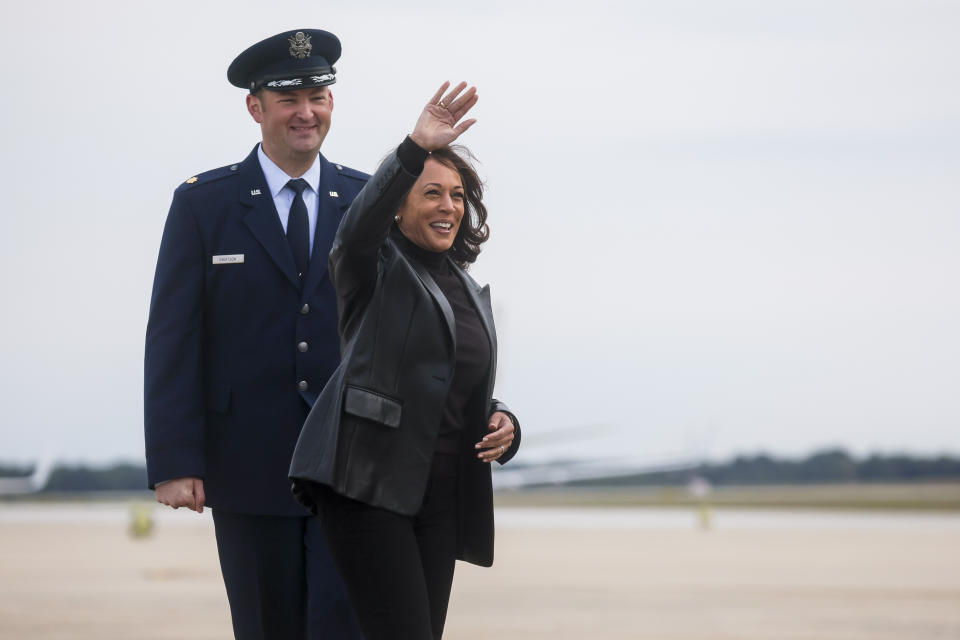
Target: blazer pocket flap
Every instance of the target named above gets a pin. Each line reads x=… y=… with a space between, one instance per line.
x=371 y=405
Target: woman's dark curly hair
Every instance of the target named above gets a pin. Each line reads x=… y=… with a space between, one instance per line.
x=473 y=230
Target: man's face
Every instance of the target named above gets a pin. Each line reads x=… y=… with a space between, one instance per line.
x=293 y=123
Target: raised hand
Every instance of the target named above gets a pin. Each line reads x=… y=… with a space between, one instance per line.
x=439 y=123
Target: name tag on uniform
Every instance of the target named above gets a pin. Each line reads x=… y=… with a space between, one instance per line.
x=235 y=258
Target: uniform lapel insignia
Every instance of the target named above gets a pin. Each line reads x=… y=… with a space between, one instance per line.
x=328 y=219
x=262 y=218
x=255 y=192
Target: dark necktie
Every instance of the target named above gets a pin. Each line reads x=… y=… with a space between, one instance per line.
x=298 y=227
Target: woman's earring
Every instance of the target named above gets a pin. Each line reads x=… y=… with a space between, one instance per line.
x=397 y=218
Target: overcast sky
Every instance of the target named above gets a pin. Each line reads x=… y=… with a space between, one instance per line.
x=720 y=225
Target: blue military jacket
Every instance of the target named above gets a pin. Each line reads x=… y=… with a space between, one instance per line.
x=237 y=349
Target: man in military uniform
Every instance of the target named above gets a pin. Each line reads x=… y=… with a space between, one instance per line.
x=242 y=336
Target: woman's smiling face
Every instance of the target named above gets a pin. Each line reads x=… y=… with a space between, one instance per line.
x=431 y=214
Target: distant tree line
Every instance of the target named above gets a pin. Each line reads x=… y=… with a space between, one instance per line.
x=67 y=478
x=829 y=466
x=822 y=467
x=14 y=470
x=119 y=477
x=834 y=465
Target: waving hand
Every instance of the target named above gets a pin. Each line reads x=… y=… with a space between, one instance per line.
x=439 y=123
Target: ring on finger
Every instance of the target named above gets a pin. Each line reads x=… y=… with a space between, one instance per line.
x=442 y=104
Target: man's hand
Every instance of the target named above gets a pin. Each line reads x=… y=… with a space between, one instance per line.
x=182 y=492
x=438 y=124
x=496 y=443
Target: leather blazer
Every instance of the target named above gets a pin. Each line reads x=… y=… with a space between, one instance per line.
x=371 y=434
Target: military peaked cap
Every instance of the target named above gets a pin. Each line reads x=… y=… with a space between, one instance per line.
x=297 y=59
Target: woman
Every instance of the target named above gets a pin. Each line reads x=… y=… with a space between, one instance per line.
x=394 y=455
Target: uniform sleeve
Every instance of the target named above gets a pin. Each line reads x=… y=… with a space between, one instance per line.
x=174 y=412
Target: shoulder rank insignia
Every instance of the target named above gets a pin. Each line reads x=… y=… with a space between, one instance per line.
x=191 y=180
x=300 y=46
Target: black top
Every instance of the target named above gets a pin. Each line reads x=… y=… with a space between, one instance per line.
x=472 y=348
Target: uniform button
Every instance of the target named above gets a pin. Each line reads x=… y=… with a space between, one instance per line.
x=302 y=385
x=305 y=309
x=302 y=346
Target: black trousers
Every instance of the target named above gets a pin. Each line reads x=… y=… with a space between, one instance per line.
x=398 y=569
x=280 y=579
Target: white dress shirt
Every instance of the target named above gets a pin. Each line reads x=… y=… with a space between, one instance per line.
x=283 y=195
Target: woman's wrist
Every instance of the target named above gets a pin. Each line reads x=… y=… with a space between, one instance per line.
x=411 y=156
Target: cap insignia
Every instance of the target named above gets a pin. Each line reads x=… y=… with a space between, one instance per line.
x=300 y=46
x=324 y=78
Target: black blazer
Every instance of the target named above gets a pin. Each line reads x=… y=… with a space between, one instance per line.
x=372 y=432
